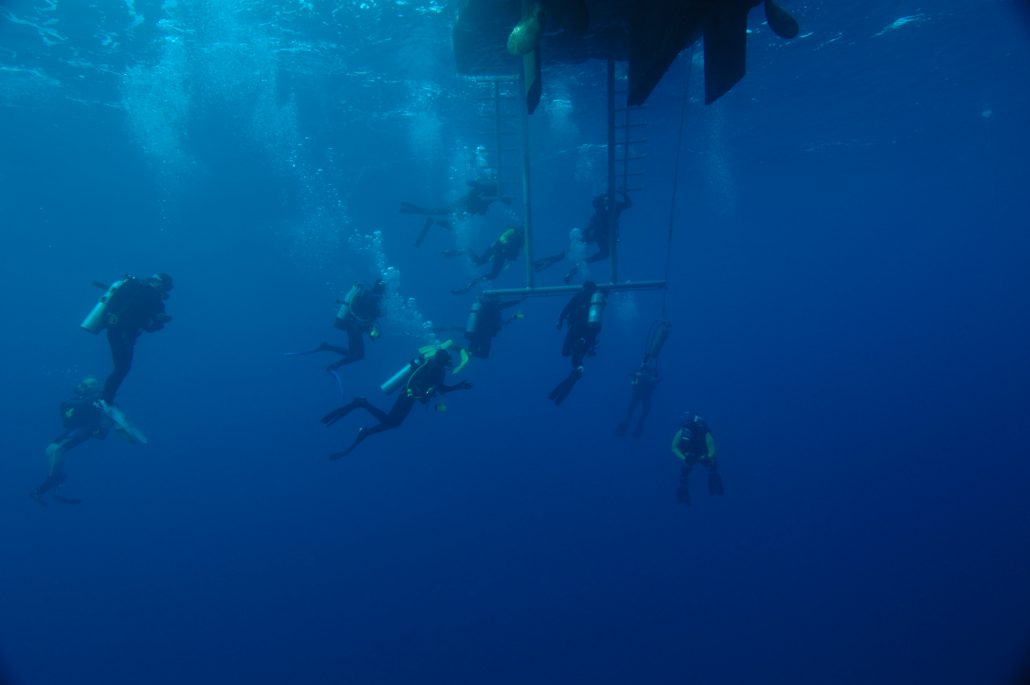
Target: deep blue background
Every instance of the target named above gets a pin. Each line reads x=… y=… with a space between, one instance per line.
x=850 y=296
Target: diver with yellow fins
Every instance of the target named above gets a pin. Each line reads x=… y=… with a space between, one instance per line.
x=128 y=308
x=356 y=317
x=693 y=444
x=501 y=253
x=419 y=380
x=583 y=313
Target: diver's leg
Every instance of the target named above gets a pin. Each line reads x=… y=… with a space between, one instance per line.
x=623 y=425
x=122 y=344
x=683 y=493
x=645 y=410
x=355 y=350
x=340 y=412
x=387 y=422
x=496 y=267
x=411 y=208
x=714 y=480
x=603 y=249
x=547 y=262
x=468 y=286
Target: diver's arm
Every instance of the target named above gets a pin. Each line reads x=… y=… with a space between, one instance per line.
x=444 y=388
x=710 y=444
x=676 y=445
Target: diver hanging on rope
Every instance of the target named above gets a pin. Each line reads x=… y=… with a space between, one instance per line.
x=644 y=380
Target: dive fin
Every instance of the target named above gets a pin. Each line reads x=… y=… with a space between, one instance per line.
x=424 y=232
x=715 y=484
x=780 y=21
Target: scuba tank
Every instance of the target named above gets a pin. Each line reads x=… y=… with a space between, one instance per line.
x=96 y=320
x=344 y=313
x=472 y=325
x=398 y=379
x=405 y=373
x=596 y=311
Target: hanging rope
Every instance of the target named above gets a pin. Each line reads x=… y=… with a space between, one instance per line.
x=675 y=179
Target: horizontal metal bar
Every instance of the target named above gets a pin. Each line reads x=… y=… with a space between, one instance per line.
x=567 y=289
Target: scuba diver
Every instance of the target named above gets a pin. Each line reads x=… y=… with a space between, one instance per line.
x=583 y=313
x=501 y=253
x=422 y=379
x=694 y=443
x=645 y=379
x=643 y=383
x=598 y=232
x=476 y=202
x=81 y=420
x=127 y=309
x=356 y=317
x=484 y=323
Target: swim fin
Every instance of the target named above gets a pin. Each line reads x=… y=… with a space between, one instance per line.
x=683 y=493
x=562 y=390
x=715 y=484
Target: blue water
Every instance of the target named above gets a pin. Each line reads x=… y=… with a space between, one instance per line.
x=849 y=294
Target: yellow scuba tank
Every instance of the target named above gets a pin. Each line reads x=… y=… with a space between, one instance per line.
x=96 y=320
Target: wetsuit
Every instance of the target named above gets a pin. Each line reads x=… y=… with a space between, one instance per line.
x=645 y=380
x=425 y=382
x=363 y=311
x=134 y=308
x=693 y=443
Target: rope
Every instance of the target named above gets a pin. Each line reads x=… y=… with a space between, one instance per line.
x=675 y=180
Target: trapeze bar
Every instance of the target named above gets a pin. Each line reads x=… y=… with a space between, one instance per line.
x=565 y=289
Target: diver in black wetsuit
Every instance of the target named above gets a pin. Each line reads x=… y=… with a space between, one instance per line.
x=357 y=317
x=137 y=305
x=598 y=232
x=500 y=254
x=426 y=381
x=81 y=420
x=693 y=444
x=485 y=322
x=583 y=314
x=644 y=381
x=476 y=202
